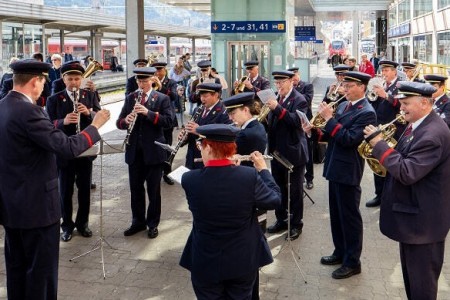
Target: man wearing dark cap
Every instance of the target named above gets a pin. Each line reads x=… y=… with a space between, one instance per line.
x=144 y=115
x=387 y=107
x=415 y=210
x=336 y=91
x=132 y=85
x=211 y=111
x=286 y=136
x=204 y=76
x=31 y=208
x=412 y=74
x=226 y=247
x=71 y=111
x=254 y=82
x=169 y=88
x=343 y=168
x=307 y=90
x=441 y=105
x=58 y=85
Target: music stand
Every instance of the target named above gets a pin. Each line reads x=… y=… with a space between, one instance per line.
x=290 y=168
x=101 y=148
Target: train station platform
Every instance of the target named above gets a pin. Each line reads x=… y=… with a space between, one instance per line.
x=139 y=268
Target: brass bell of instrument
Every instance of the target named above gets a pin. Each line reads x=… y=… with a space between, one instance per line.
x=387 y=131
x=318 y=121
x=265 y=110
x=92 y=67
x=241 y=86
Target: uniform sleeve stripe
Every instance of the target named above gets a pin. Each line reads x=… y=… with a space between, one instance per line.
x=156 y=118
x=395 y=102
x=386 y=154
x=88 y=137
x=336 y=129
x=283 y=112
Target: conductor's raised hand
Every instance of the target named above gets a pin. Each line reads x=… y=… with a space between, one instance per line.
x=100 y=118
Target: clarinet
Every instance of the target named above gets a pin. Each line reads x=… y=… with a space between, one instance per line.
x=131 y=126
x=75 y=108
x=183 y=140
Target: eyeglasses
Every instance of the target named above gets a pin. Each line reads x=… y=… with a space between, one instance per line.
x=349 y=86
x=55 y=59
x=280 y=82
x=143 y=80
x=198 y=143
x=204 y=69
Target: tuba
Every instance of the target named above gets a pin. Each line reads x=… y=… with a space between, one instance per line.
x=92 y=67
x=388 y=131
x=318 y=121
x=241 y=86
x=371 y=95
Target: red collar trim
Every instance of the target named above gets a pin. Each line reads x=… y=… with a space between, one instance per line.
x=219 y=163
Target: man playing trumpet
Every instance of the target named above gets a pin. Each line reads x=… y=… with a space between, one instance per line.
x=254 y=82
x=336 y=90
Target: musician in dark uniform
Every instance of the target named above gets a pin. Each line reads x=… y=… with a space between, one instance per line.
x=205 y=77
x=8 y=86
x=387 y=107
x=307 y=90
x=169 y=88
x=254 y=82
x=132 y=85
x=226 y=246
x=411 y=72
x=61 y=111
x=441 y=105
x=343 y=168
x=151 y=113
x=211 y=112
x=336 y=90
x=285 y=135
x=29 y=198
x=58 y=85
x=242 y=110
x=415 y=209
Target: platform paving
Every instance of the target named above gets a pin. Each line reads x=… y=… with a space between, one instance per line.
x=140 y=268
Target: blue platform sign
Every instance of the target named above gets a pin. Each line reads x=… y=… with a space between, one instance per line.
x=305 y=33
x=248 y=26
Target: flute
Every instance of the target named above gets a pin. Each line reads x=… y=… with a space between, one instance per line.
x=238 y=157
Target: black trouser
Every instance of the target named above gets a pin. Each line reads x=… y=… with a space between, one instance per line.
x=168 y=135
x=31 y=259
x=346 y=222
x=139 y=173
x=309 y=175
x=77 y=171
x=280 y=174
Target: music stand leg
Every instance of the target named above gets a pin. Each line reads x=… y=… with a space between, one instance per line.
x=305 y=194
x=99 y=243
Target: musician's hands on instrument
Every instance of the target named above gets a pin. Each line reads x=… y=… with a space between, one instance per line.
x=235 y=83
x=130 y=118
x=100 y=118
x=258 y=161
x=140 y=109
x=248 y=84
x=90 y=85
x=307 y=127
x=272 y=104
x=325 y=111
x=82 y=109
x=191 y=127
x=71 y=118
x=379 y=90
x=371 y=130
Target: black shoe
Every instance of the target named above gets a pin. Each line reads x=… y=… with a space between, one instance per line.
x=85 y=232
x=374 y=202
x=330 y=260
x=168 y=180
x=134 y=229
x=66 y=236
x=345 y=272
x=294 y=233
x=309 y=185
x=277 y=227
x=152 y=232
x=93 y=186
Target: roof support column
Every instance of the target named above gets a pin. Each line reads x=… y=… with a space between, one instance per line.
x=168 y=50
x=355 y=35
x=61 y=42
x=96 y=38
x=134 y=15
x=194 y=59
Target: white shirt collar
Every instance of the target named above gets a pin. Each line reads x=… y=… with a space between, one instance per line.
x=287 y=95
x=418 y=122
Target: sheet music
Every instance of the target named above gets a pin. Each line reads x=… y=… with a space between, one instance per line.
x=304 y=120
x=176 y=174
x=166 y=147
x=266 y=95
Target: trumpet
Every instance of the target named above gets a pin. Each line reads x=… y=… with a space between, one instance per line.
x=265 y=110
x=376 y=81
x=388 y=131
x=75 y=108
x=182 y=141
x=241 y=85
x=333 y=94
x=416 y=72
x=92 y=67
x=318 y=121
x=131 y=125
x=238 y=157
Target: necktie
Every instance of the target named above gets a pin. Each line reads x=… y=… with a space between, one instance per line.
x=205 y=113
x=408 y=130
x=143 y=98
x=349 y=105
x=281 y=99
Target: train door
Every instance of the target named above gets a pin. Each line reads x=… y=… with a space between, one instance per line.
x=106 y=57
x=240 y=52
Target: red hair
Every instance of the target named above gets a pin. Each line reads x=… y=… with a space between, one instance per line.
x=221 y=149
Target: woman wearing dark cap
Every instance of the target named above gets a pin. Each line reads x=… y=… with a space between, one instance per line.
x=226 y=246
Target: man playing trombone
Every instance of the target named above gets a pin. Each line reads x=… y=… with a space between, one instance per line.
x=145 y=114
